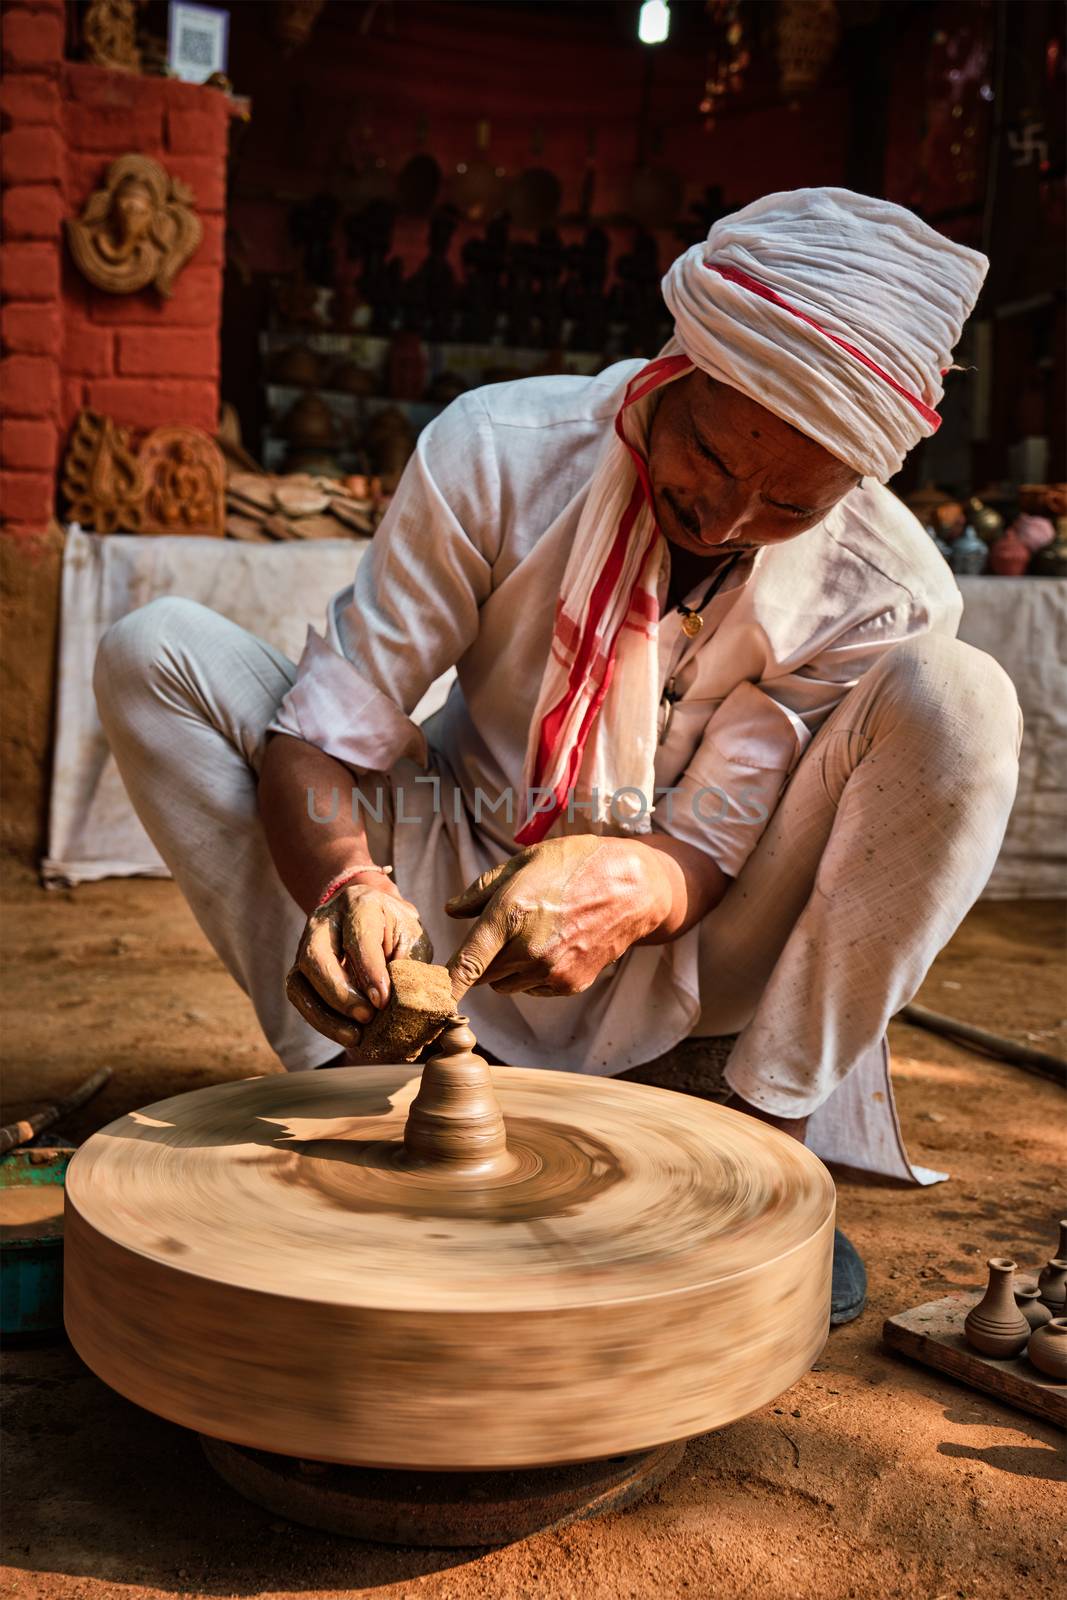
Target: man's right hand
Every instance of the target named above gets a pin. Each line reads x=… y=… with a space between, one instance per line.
x=340 y=976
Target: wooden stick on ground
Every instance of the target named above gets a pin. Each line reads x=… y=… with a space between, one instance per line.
x=1019 y=1055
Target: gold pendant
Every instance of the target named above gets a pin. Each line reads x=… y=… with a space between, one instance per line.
x=692 y=623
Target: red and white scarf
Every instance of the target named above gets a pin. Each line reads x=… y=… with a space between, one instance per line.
x=593 y=735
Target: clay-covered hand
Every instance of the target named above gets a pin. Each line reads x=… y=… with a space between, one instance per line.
x=554 y=916
x=340 y=975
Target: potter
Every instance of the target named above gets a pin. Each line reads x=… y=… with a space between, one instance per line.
x=685 y=574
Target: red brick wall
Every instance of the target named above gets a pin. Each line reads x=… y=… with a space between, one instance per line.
x=32 y=163
x=64 y=344
x=141 y=359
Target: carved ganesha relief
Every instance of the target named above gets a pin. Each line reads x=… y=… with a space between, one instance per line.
x=139 y=229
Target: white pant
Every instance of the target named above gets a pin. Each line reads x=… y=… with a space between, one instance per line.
x=884 y=837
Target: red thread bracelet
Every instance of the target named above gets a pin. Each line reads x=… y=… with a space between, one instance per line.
x=347 y=877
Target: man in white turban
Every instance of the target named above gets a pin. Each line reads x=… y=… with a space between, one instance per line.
x=713 y=762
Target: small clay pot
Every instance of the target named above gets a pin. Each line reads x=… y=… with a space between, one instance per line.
x=995 y=1326
x=309 y=422
x=1008 y=556
x=950 y=519
x=969 y=557
x=1029 y=1303
x=1051 y=562
x=1047 y=1349
x=1052 y=1285
x=297 y=366
x=1035 y=532
x=987 y=523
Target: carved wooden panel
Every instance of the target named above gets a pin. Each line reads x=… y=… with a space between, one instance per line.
x=174 y=481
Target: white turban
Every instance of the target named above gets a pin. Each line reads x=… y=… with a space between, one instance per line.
x=836 y=311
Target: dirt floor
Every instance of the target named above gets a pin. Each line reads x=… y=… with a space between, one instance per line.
x=871 y=1477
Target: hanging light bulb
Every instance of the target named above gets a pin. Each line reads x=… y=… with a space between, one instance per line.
x=654 y=21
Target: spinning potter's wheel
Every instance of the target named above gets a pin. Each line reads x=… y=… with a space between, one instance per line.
x=296 y=1265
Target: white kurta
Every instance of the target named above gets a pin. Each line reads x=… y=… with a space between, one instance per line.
x=465 y=571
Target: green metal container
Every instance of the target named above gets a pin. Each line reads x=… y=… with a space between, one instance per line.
x=31 y=1266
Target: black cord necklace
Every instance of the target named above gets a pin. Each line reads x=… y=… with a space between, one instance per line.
x=692 y=620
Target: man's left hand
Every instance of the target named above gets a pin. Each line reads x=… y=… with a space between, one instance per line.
x=554 y=916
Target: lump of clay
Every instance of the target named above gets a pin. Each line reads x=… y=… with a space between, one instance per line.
x=420 y=1003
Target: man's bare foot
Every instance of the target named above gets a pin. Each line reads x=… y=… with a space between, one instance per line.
x=794 y=1126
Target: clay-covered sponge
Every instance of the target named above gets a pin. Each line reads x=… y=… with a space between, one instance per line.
x=420 y=1003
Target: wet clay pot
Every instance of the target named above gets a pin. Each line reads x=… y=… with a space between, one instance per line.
x=1029 y=1302
x=995 y=1326
x=1047 y=1350
x=1052 y=1285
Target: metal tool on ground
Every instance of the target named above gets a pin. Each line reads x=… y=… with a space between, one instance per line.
x=18 y=1133
x=544 y=1281
x=1041 y=1062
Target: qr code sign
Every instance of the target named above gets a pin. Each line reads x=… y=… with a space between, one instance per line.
x=197 y=45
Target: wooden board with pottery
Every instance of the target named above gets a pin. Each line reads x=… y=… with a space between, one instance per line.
x=933 y=1334
x=292 y=1264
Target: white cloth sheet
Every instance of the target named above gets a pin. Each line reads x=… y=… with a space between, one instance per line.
x=1022 y=623
x=273 y=590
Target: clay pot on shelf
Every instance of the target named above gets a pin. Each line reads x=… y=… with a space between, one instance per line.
x=309 y=422
x=950 y=519
x=995 y=1326
x=987 y=523
x=1029 y=1302
x=1051 y=562
x=1043 y=499
x=969 y=555
x=296 y=368
x=1035 y=532
x=1008 y=556
x=1047 y=1350
x=1052 y=1285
